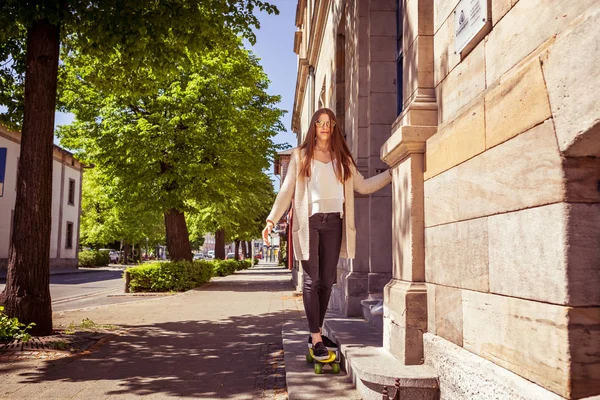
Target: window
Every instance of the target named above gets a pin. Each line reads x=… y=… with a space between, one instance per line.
x=3 y=152
x=69 y=239
x=399 y=58
x=71 y=200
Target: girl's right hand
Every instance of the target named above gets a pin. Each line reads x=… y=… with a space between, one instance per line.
x=266 y=232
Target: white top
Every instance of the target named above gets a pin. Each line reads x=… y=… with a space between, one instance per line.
x=325 y=191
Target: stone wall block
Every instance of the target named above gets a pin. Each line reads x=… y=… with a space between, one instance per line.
x=383 y=23
x=456 y=142
x=382 y=111
x=417 y=20
x=517 y=334
x=442 y=9
x=584 y=340
x=441 y=198
x=499 y=9
x=582 y=175
x=524 y=28
x=425 y=64
x=380 y=238
x=448 y=314
x=583 y=254
x=462 y=85
x=523 y=172
x=431 y=304
x=382 y=77
x=456 y=254
x=517 y=104
x=571 y=72
x=527 y=254
x=383 y=48
x=445 y=58
x=382 y=5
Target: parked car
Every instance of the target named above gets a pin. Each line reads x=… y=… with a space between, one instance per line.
x=230 y=256
x=199 y=256
x=113 y=255
x=210 y=254
x=258 y=255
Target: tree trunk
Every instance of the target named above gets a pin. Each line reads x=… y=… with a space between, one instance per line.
x=236 y=251
x=125 y=253
x=178 y=239
x=220 y=244
x=27 y=292
x=244 y=249
x=249 y=248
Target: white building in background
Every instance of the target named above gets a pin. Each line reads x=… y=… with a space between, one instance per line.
x=67 y=174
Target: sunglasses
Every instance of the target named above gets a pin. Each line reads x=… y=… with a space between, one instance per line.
x=322 y=124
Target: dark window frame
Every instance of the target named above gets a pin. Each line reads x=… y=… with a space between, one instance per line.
x=71 y=192
x=69 y=235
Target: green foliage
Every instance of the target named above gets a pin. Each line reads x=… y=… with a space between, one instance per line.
x=131 y=44
x=178 y=276
x=168 y=276
x=11 y=328
x=256 y=261
x=93 y=258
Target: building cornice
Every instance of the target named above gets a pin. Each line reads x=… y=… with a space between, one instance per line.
x=314 y=38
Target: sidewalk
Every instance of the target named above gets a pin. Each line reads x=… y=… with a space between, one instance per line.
x=221 y=341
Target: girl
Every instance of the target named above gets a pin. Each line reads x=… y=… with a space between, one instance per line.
x=321 y=178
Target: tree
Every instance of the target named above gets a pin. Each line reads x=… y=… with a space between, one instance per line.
x=108 y=217
x=198 y=139
x=122 y=37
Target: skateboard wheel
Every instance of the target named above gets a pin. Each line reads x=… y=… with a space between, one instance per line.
x=335 y=368
x=309 y=359
x=318 y=368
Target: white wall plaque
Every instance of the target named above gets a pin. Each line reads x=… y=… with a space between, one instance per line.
x=471 y=23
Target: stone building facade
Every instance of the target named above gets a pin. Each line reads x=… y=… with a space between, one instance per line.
x=486 y=250
x=67 y=178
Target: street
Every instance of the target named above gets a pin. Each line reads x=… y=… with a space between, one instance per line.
x=86 y=289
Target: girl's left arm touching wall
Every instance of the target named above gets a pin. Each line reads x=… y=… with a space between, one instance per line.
x=372 y=184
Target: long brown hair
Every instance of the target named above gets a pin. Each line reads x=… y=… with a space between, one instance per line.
x=337 y=146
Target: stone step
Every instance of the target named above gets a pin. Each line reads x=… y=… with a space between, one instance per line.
x=372 y=367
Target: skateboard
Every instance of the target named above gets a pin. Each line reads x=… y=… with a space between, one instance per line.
x=319 y=364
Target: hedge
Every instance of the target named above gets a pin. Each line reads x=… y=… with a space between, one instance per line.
x=93 y=258
x=179 y=276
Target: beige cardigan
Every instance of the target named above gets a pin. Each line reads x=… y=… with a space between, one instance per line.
x=295 y=187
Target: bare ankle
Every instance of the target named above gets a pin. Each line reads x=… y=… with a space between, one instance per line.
x=316 y=337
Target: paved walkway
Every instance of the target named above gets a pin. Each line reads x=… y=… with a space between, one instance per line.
x=222 y=341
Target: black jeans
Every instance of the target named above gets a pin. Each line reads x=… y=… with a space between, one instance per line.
x=320 y=268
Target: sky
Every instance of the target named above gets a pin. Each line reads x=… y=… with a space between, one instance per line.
x=275 y=48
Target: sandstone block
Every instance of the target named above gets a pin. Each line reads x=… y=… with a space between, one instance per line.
x=445 y=58
x=418 y=66
x=456 y=142
x=463 y=375
x=431 y=317
x=462 y=85
x=383 y=49
x=380 y=239
x=582 y=176
x=442 y=9
x=517 y=334
x=524 y=28
x=382 y=109
x=448 y=313
x=523 y=172
x=534 y=255
x=456 y=254
x=571 y=72
x=383 y=23
x=441 y=198
x=407 y=224
x=517 y=104
x=499 y=9
x=417 y=20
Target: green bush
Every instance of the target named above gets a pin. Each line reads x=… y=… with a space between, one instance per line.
x=255 y=261
x=11 y=328
x=93 y=258
x=169 y=276
x=224 y=267
x=244 y=264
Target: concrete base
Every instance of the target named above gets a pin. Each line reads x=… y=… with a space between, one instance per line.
x=463 y=375
x=301 y=380
x=372 y=367
x=350 y=290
